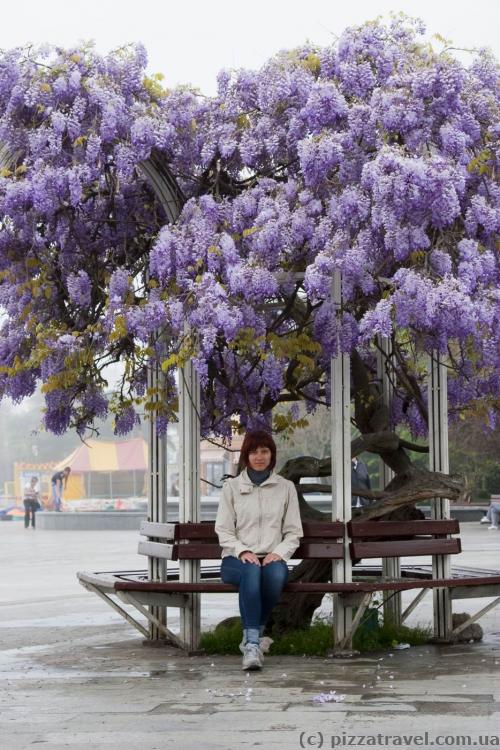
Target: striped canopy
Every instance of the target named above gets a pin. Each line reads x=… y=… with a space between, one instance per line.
x=108 y=456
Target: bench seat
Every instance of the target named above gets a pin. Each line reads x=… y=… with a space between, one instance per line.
x=216 y=587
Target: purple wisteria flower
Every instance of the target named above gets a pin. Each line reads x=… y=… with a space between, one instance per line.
x=119 y=285
x=79 y=288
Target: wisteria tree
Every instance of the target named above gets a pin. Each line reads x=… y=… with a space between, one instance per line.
x=377 y=156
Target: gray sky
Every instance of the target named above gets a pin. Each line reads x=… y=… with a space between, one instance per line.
x=190 y=41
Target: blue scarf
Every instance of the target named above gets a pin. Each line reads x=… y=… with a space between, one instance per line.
x=257 y=477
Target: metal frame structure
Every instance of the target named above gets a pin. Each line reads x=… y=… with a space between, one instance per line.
x=157 y=509
x=344 y=624
x=189 y=494
x=391 y=566
x=158 y=176
x=154 y=606
x=440 y=507
x=340 y=405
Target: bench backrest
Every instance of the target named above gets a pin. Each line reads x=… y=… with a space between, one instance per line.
x=403 y=538
x=321 y=540
x=198 y=541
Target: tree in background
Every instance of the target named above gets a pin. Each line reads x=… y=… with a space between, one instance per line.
x=476 y=451
x=377 y=157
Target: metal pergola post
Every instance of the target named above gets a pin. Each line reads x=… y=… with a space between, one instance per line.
x=189 y=493
x=440 y=507
x=391 y=566
x=157 y=505
x=341 y=474
x=156 y=172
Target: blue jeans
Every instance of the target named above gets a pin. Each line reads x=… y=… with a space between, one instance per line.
x=493 y=514
x=56 y=496
x=260 y=587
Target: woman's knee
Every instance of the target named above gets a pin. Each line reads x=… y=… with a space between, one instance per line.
x=238 y=573
x=251 y=577
x=276 y=571
x=230 y=570
x=250 y=571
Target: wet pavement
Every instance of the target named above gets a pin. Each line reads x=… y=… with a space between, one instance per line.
x=74 y=675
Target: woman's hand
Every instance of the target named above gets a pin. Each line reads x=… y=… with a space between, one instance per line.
x=250 y=557
x=271 y=557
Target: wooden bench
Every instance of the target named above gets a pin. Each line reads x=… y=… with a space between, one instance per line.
x=322 y=541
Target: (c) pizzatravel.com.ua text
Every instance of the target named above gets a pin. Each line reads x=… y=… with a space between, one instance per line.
x=323 y=740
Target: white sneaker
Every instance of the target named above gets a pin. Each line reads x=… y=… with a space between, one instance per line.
x=490 y=528
x=265 y=644
x=484 y=519
x=252 y=657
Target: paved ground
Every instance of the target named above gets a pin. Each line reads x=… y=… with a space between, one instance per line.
x=74 y=675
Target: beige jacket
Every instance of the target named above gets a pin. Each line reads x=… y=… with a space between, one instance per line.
x=261 y=519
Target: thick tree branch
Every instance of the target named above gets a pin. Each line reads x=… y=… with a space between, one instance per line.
x=413 y=487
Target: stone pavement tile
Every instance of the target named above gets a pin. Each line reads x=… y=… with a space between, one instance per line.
x=76 y=685
x=254 y=730
x=188 y=740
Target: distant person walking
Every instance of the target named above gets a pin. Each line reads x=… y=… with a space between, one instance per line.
x=31 y=502
x=360 y=480
x=57 y=487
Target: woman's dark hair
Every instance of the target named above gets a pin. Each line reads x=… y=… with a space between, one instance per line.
x=257 y=439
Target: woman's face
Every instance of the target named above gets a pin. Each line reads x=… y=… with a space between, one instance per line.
x=260 y=458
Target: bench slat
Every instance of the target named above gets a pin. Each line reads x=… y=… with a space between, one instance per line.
x=306 y=551
x=195 y=531
x=392 y=529
x=323 y=529
x=407 y=548
x=206 y=530
x=157 y=530
x=319 y=551
x=198 y=551
x=313 y=587
x=155 y=549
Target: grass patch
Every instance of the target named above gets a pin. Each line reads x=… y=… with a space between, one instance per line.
x=317 y=640
x=388 y=635
x=313 y=641
x=222 y=640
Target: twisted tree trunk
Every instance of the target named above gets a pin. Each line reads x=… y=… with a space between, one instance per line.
x=410 y=484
